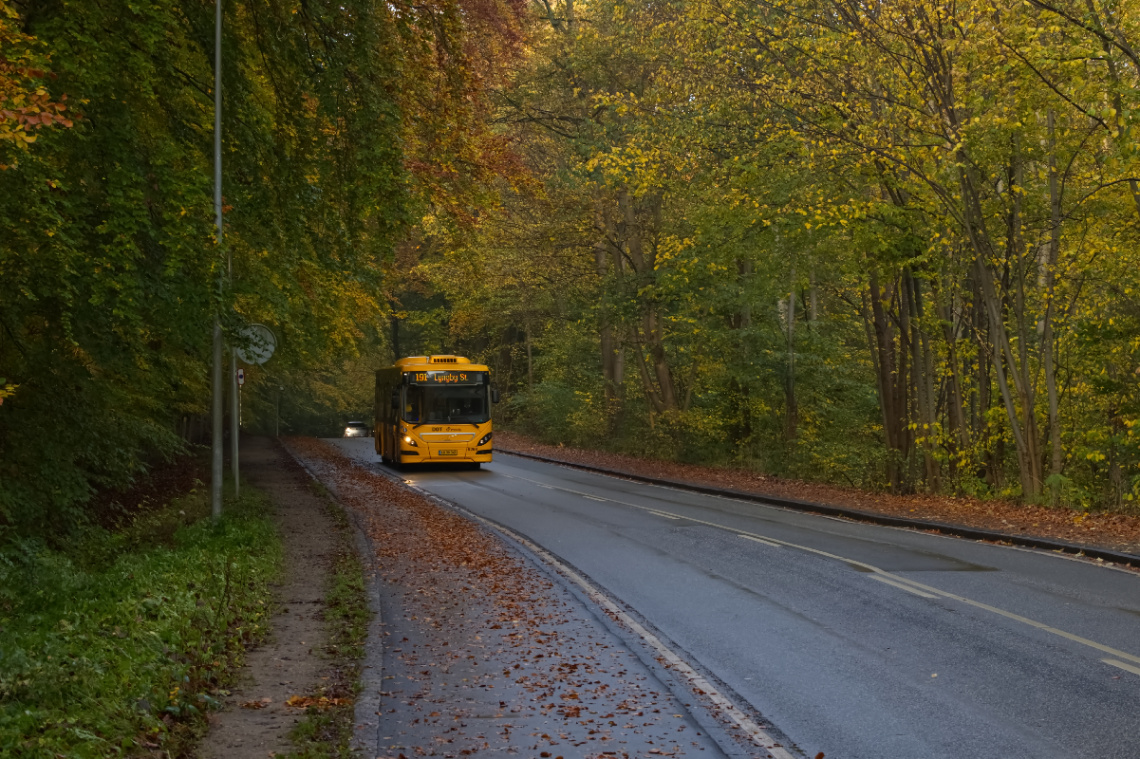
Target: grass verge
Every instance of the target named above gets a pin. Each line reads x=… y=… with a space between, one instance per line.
x=116 y=645
x=326 y=731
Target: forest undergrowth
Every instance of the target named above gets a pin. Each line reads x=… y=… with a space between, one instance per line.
x=117 y=640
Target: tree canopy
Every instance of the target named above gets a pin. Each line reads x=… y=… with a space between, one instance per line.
x=340 y=120
x=892 y=246
x=885 y=245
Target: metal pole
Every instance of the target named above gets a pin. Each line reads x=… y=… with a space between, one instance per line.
x=216 y=468
x=235 y=420
x=216 y=404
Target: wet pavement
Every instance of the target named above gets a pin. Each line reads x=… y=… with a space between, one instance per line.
x=477 y=651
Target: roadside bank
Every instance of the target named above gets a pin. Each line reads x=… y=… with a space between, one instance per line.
x=120 y=639
x=996 y=520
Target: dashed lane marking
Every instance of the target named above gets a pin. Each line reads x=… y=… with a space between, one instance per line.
x=901 y=586
x=1123 y=666
x=755 y=539
x=877 y=572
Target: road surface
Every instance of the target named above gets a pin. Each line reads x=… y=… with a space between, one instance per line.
x=860 y=641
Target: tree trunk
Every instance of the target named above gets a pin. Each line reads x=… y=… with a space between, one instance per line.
x=741 y=391
x=955 y=406
x=791 y=408
x=656 y=375
x=923 y=373
x=1049 y=274
x=1024 y=436
x=395 y=338
x=1028 y=466
x=529 y=362
x=891 y=379
x=613 y=364
x=813 y=296
x=655 y=340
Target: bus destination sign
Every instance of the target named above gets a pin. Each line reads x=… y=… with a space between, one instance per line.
x=445 y=378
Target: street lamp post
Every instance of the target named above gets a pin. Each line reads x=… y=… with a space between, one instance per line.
x=216 y=400
x=235 y=422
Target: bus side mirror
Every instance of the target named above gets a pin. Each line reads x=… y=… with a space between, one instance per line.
x=395 y=403
x=494 y=395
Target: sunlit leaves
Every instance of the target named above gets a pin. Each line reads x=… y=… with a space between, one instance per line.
x=25 y=103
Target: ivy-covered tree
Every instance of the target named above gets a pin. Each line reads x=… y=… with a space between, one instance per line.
x=341 y=122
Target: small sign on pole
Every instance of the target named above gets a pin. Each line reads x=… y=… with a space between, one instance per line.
x=241 y=376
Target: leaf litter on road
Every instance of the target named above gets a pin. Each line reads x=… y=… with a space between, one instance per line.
x=483 y=653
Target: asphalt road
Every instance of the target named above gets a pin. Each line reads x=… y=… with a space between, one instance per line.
x=859 y=641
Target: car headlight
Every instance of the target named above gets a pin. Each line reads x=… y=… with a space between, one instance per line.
x=408 y=439
x=484 y=440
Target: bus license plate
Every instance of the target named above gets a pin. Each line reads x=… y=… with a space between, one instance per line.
x=448 y=452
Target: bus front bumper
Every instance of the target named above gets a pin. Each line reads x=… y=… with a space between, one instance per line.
x=443 y=453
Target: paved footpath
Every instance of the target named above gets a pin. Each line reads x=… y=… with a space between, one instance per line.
x=289 y=663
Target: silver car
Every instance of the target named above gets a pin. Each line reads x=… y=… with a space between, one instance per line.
x=357 y=429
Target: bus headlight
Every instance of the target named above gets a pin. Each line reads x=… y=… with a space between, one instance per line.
x=409 y=441
x=484 y=440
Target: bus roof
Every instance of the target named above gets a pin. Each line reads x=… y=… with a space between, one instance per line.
x=438 y=362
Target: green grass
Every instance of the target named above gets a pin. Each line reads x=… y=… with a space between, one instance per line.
x=326 y=733
x=119 y=643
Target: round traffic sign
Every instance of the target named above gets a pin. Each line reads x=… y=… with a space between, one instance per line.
x=260 y=342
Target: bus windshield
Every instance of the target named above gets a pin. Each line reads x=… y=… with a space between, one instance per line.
x=443 y=404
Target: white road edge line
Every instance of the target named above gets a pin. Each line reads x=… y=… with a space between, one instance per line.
x=883 y=573
x=696 y=680
x=676 y=663
x=901 y=586
x=595 y=498
x=662 y=514
x=1123 y=666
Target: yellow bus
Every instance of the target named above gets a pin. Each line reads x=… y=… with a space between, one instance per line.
x=434 y=409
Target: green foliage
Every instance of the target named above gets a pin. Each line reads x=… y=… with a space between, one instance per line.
x=120 y=641
x=341 y=122
x=25 y=104
x=890 y=247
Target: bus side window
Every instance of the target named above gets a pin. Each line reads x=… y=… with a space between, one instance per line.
x=412 y=409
